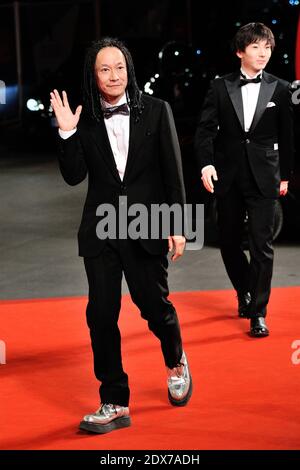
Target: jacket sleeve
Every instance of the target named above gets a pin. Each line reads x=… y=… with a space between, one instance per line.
x=71 y=160
x=171 y=158
x=286 y=135
x=207 y=129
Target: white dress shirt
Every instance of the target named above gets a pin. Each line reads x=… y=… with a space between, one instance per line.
x=250 y=94
x=117 y=127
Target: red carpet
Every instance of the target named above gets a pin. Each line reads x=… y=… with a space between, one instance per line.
x=246 y=391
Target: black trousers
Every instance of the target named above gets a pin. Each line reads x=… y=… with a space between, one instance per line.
x=252 y=275
x=146 y=276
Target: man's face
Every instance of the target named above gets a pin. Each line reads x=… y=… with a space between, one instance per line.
x=111 y=74
x=255 y=56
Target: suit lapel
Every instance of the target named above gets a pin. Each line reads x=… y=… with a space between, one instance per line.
x=235 y=94
x=99 y=134
x=266 y=91
x=136 y=138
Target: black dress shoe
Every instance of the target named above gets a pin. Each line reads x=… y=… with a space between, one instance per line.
x=258 y=327
x=243 y=304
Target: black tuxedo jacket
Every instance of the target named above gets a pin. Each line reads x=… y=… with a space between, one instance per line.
x=153 y=173
x=220 y=138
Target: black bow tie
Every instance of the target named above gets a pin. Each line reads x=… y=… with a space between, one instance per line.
x=245 y=81
x=121 y=109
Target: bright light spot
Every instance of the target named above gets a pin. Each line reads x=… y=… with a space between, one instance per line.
x=156 y=75
x=32 y=104
x=176 y=53
x=147 y=88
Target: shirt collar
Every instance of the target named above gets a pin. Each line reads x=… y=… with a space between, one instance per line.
x=247 y=76
x=122 y=100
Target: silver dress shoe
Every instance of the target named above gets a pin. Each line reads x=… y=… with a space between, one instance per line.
x=180 y=385
x=106 y=419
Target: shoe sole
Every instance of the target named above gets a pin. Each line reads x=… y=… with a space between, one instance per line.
x=261 y=334
x=184 y=401
x=118 y=423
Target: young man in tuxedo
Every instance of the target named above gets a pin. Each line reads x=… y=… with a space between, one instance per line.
x=244 y=147
x=127 y=144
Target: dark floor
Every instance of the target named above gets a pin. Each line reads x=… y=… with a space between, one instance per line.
x=40 y=215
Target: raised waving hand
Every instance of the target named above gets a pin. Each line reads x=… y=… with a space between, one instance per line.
x=66 y=119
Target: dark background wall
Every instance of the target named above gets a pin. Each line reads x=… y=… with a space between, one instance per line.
x=54 y=35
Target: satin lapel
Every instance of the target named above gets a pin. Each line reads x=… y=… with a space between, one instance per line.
x=265 y=94
x=99 y=134
x=235 y=94
x=136 y=138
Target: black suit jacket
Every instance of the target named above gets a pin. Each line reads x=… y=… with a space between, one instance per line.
x=220 y=139
x=153 y=173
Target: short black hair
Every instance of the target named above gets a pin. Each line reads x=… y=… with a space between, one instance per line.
x=251 y=33
x=91 y=95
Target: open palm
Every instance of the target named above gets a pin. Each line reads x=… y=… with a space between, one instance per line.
x=66 y=119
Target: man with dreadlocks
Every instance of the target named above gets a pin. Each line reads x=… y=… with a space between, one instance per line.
x=127 y=144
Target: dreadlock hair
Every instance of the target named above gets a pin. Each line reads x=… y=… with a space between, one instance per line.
x=91 y=94
x=251 y=33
